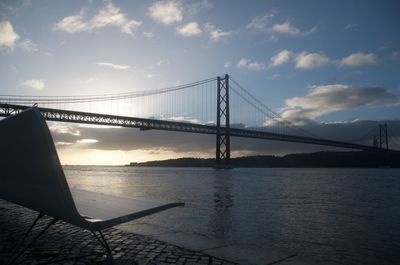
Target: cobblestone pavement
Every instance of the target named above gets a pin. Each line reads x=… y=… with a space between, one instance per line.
x=62 y=243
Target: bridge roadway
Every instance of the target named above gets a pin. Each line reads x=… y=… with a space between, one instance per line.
x=152 y=124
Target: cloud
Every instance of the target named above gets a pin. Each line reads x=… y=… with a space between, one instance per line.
x=358 y=59
x=216 y=34
x=325 y=99
x=227 y=64
x=396 y=56
x=166 y=11
x=8 y=36
x=190 y=29
x=287 y=28
x=194 y=8
x=148 y=34
x=162 y=62
x=37 y=84
x=260 y=22
x=63 y=128
x=114 y=66
x=245 y=63
x=306 y=60
x=89 y=80
x=349 y=26
x=73 y=24
x=87 y=141
x=110 y=15
x=152 y=75
x=281 y=58
x=28 y=45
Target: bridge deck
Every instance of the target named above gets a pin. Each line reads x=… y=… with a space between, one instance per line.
x=149 y=124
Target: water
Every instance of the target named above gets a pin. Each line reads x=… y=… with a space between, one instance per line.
x=329 y=216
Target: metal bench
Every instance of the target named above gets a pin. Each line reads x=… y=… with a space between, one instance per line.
x=31 y=175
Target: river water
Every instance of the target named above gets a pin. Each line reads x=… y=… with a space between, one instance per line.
x=325 y=216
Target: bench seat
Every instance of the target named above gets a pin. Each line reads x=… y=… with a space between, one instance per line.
x=104 y=210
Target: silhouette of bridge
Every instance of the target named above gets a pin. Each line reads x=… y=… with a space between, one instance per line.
x=203 y=107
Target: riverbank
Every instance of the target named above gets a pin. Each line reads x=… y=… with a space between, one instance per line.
x=353 y=159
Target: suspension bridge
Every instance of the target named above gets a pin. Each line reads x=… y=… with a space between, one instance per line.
x=219 y=106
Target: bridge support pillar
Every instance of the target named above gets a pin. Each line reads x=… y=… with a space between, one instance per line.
x=223 y=143
x=383 y=137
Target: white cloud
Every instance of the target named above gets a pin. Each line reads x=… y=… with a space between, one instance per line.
x=8 y=36
x=62 y=144
x=152 y=75
x=358 y=59
x=166 y=11
x=89 y=80
x=115 y=66
x=287 y=28
x=216 y=34
x=260 y=22
x=190 y=29
x=273 y=77
x=148 y=34
x=62 y=128
x=87 y=141
x=28 y=45
x=227 y=64
x=73 y=24
x=326 y=99
x=163 y=62
x=281 y=58
x=349 y=26
x=110 y=15
x=37 y=84
x=245 y=63
x=306 y=60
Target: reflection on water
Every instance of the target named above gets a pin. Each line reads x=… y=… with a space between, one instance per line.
x=221 y=220
x=345 y=216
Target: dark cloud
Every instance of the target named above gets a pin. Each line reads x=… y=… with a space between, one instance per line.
x=326 y=99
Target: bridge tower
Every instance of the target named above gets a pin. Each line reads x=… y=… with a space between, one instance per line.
x=223 y=143
x=383 y=137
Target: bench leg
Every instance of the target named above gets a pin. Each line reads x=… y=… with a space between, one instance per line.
x=105 y=245
x=16 y=256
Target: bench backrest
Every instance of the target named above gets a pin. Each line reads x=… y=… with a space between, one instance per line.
x=30 y=171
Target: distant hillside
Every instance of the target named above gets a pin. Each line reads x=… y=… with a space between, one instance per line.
x=318 y=159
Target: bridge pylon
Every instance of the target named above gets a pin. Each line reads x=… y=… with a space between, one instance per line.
x=383 y=136
x=223 y=143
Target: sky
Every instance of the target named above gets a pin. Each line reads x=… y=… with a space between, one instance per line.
x=329 y=66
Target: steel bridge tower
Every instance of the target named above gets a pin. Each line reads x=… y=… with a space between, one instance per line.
x=223 y=143
x=383 y=136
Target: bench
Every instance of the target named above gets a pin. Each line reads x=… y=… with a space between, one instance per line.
x=31 y=175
